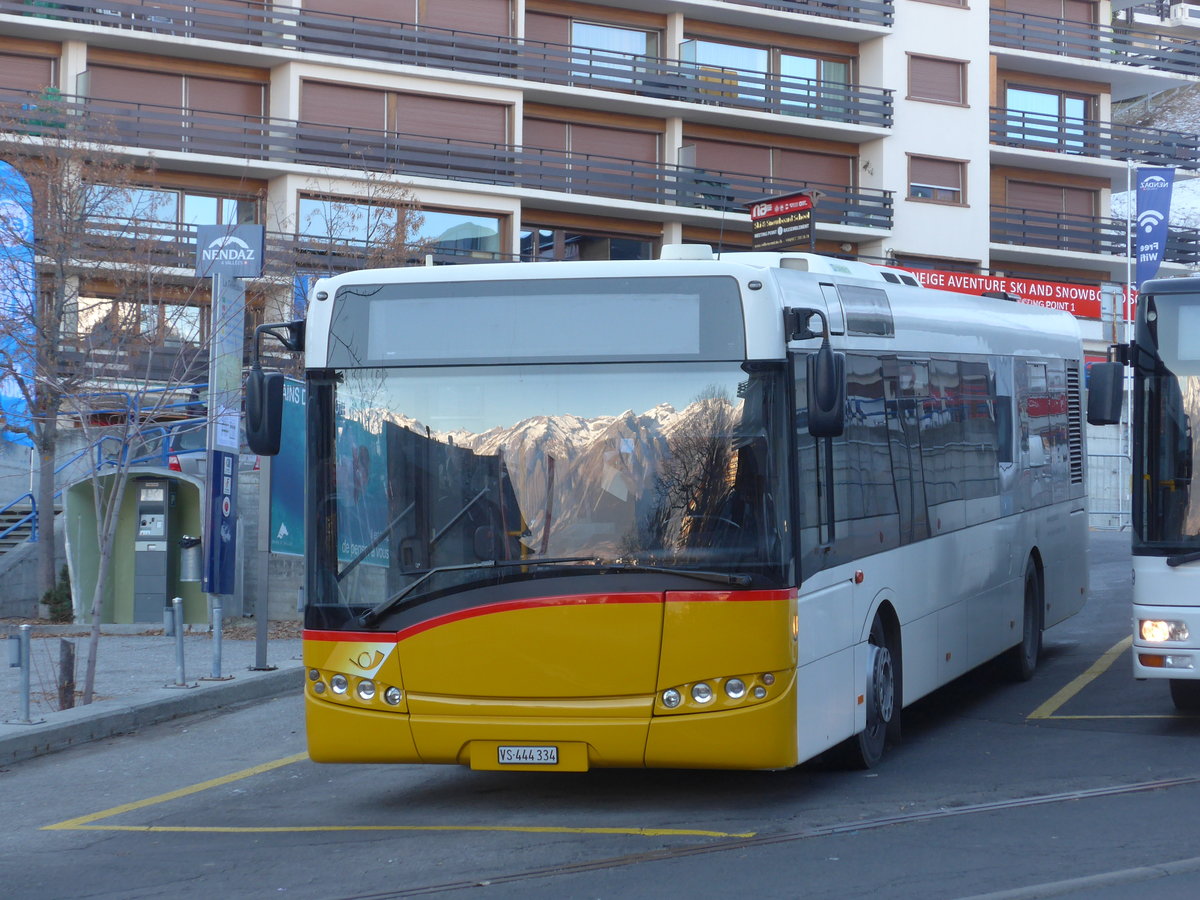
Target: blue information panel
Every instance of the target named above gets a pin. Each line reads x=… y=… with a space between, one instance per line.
x=221 y=556
x=287 y=475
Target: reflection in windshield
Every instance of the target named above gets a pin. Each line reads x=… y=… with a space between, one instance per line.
x=647 y=464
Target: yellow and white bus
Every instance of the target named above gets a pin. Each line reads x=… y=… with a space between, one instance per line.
x=712 y=512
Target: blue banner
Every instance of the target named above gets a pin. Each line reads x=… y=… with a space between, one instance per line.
x=1153 y=220
x=221 y=553
x=18 y=294
x=287 y=475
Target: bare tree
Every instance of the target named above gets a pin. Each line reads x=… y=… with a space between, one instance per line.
x=372 y=224
x=83 y=335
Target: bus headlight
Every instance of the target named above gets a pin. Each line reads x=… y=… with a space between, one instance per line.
x=366 y=690
x=671 y=698
x=339 y=683
x=1159 y=630
x=392 y=696
x=701 y=692
x=735 y=688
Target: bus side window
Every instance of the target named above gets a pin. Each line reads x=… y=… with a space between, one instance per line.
x=845 y=485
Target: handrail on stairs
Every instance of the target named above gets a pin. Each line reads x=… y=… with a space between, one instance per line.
x=161 y=454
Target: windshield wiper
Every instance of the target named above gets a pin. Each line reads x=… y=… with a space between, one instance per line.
x=1183 y=558
x=373 y=615
x=715 y=577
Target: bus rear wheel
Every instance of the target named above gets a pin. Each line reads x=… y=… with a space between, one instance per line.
x=1023 y=659
x=1185 y=694
x=881 y=695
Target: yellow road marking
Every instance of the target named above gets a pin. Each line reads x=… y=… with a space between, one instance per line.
x=87 y=823
x=174 y=795
x=524 y=829
x=1098 y=668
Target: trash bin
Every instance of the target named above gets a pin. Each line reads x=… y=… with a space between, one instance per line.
x=189 y=558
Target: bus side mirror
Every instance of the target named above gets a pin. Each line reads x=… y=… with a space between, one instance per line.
x=264 y=411
x=826 y=393
x=1106 y=383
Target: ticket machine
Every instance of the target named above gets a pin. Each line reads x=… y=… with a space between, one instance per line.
x=155 y=548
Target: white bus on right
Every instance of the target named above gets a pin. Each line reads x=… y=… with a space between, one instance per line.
x=1164 y=356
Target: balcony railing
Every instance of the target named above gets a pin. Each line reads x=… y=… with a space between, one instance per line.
x=1082 y=234
x=871 y=12
x=1087 y=137
x=1124 y=46
x=165 y=128
x=531 y=61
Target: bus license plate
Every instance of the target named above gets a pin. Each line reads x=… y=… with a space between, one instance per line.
x=527 y=756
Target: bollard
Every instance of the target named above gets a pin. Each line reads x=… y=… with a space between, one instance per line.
x=177 y=606
x=216 y=638
x=24 y=651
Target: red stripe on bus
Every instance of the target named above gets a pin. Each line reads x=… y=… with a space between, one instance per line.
x=545 y=602
x=533 y=603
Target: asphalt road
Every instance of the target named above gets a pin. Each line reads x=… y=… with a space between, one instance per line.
x=1081 y=782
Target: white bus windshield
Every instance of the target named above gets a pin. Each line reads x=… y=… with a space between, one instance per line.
x=468 y=470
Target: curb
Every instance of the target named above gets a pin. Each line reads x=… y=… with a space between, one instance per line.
x=105 y=718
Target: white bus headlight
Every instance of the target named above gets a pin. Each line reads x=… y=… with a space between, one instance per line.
x=366 y=690
x=339 y=684
x=701 y=692
x=735 y=688
x=1158 y=630
x=392 y=696
x=671 y=698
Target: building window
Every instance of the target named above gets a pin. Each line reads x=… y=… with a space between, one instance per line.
x=937 y=180
x=103 y=321
x=348 y=223
x=727 y=67
x=163 y=213
x=1050 y=117
x=544 y=244
x=460 y=234
x=810 y=82
x=937 y=80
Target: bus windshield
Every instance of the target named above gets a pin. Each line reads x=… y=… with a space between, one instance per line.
x=433 y=479
x=1170 y=451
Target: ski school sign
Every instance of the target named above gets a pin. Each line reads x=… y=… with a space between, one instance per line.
x=1083 y=301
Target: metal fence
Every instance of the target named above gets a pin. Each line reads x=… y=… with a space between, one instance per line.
x=1109 y=503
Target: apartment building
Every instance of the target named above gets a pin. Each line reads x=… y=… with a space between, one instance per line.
x=938 y=134
x=956 y=138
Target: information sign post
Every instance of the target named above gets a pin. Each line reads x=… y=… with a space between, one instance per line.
x=227 y=254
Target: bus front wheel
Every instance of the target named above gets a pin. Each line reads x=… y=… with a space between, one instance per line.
x=881 y=696
x=1185 y=694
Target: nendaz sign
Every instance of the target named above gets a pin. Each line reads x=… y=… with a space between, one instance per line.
x=232 y=251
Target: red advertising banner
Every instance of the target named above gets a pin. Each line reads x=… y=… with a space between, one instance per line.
x=1081 y=300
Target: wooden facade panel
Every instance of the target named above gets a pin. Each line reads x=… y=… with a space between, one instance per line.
x=447 y=117
x=135 y=86
x=388 y=10
x=233 y=97
x=1051 y=198
x=477 y=16
x=718 y=156
x=636 y=145
x=27 y=73
x=545 y=134
x=548 y=28
x=821 y=168
x=343 y=104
